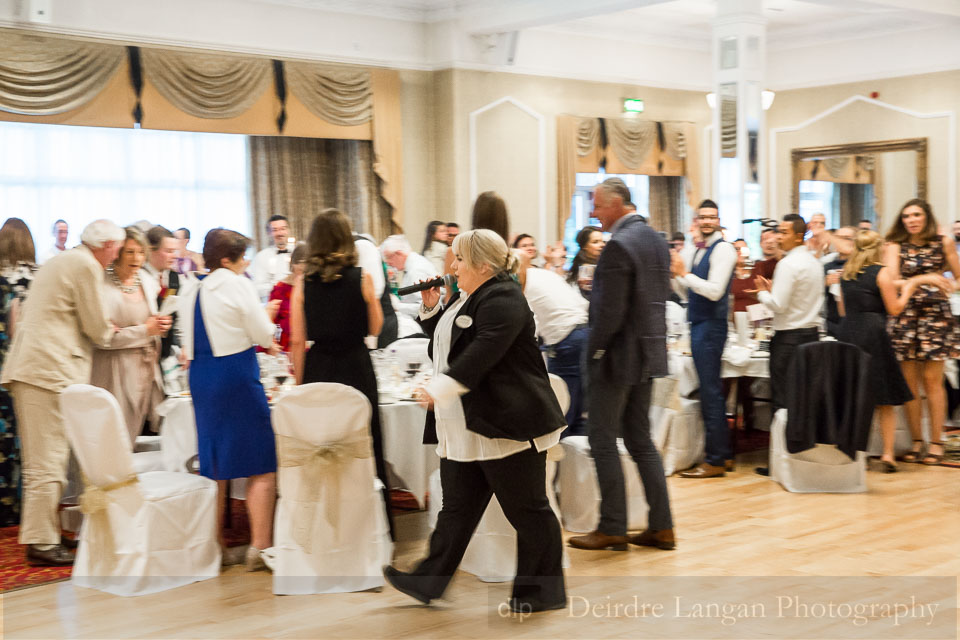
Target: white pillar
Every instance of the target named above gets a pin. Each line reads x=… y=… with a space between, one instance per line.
x=739 y=59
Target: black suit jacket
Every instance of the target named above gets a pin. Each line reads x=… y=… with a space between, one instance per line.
x=167 y=341
x=628 y=327
x=496 y=357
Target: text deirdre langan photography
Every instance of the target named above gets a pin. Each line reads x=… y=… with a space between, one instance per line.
x=729 y=613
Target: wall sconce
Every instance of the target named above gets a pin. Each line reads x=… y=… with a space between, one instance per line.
x=766 y=99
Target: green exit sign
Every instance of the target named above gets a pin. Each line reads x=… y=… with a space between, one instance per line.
x=632 y=105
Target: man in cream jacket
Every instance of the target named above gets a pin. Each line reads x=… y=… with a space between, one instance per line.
x=63 y=318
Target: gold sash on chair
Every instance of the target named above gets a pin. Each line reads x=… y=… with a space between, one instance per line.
x=94 y=502
x=316 y=460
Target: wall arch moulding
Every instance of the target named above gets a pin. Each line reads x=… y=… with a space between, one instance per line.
x=541 y=156
x=951 y=142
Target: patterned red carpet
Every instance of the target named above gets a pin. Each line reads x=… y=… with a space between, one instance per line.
x=15 y=573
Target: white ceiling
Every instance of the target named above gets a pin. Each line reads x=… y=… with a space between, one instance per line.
x=684 y=23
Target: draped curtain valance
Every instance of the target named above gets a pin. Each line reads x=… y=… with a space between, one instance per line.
x=58 y=80
x=45 y=76
x=844 y=169
x=624 y=145
x=340 y=96
x=207 y=86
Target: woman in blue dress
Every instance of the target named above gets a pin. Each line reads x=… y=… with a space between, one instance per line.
x=223 y=320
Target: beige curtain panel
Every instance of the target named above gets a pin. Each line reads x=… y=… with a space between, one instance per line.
x=207 y=86
x=844 y=169
x=337 y=95
x=300 y=177
x=578 y=151
x=46 y=76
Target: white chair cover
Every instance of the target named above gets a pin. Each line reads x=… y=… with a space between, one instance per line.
x=580 y=493
x=822 y=469
x=146 y=443
x=142 y=533
x=331 y=533
x=178 y=433
x=686 y=439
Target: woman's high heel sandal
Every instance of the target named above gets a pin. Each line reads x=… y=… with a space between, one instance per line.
x=914 y=455
x=933 y=459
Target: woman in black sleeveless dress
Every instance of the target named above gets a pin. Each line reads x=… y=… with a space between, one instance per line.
x=869 y=295
x=335 y=307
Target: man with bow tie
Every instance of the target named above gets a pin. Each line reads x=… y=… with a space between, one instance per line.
x=703 y=274
x=272 y=264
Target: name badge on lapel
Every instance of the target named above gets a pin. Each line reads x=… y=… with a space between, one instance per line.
x=464 y=322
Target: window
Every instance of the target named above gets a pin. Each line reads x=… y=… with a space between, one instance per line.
x=581 y=208
x=80 y=174
x=817 y=196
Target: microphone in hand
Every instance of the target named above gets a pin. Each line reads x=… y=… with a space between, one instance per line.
x=441 y=281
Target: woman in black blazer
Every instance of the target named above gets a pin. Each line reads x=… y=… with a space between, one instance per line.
x=492 y=415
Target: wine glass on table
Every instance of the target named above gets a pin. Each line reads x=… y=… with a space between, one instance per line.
x=413 y=368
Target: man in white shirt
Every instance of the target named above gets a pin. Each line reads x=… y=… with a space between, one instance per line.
x=561 y=314
x=272 y=264
x=411 y=268
x=703 y=276
x=795 y=297
x=370 y=261
x=60 y=232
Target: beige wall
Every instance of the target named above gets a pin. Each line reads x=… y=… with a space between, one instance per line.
x=507 y=157
x=863 y=122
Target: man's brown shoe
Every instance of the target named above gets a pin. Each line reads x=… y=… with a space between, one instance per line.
x=596 y=541
x=662 y=539
x=703 y=470
x=58 y=556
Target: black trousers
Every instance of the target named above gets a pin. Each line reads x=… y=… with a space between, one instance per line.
x=519 y=482
x=782 y=347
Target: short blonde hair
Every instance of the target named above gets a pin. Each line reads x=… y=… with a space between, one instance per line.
x=485 y=247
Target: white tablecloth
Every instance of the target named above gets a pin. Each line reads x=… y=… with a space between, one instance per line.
x=682 y=368
x=409 y=461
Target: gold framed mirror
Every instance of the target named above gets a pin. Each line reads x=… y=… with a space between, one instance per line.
x=890 y=172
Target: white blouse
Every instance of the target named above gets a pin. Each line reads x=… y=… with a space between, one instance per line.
x=454 y=440
x=232 y=314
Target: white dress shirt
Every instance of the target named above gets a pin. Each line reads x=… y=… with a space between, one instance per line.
x=436 y=253
x=416 y=268
x=269 y=267
x=370 y=261
x=232 y=314
x=723 y=260
x=454 y=440
x=51 y=252
x=797 y=292
x=557 y=308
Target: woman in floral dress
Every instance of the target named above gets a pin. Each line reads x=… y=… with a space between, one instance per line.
x=926 y=334
x=17 y=264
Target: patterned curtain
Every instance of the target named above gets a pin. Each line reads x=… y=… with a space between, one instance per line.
x=299 y=177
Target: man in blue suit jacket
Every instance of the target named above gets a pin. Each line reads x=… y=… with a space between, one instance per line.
x=626 y=350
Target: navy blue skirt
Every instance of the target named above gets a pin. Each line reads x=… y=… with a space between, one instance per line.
x=234 y=434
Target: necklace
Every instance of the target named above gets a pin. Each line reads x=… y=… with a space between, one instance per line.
x=124 y=287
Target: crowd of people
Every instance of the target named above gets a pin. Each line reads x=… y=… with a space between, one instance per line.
x=100 y=313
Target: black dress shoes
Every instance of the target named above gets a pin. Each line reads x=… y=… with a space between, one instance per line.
x=57 y=556
x=597 y=541
x=402 y=582
x=69 y=543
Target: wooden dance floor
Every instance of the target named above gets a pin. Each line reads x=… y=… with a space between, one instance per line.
x=908 y=524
